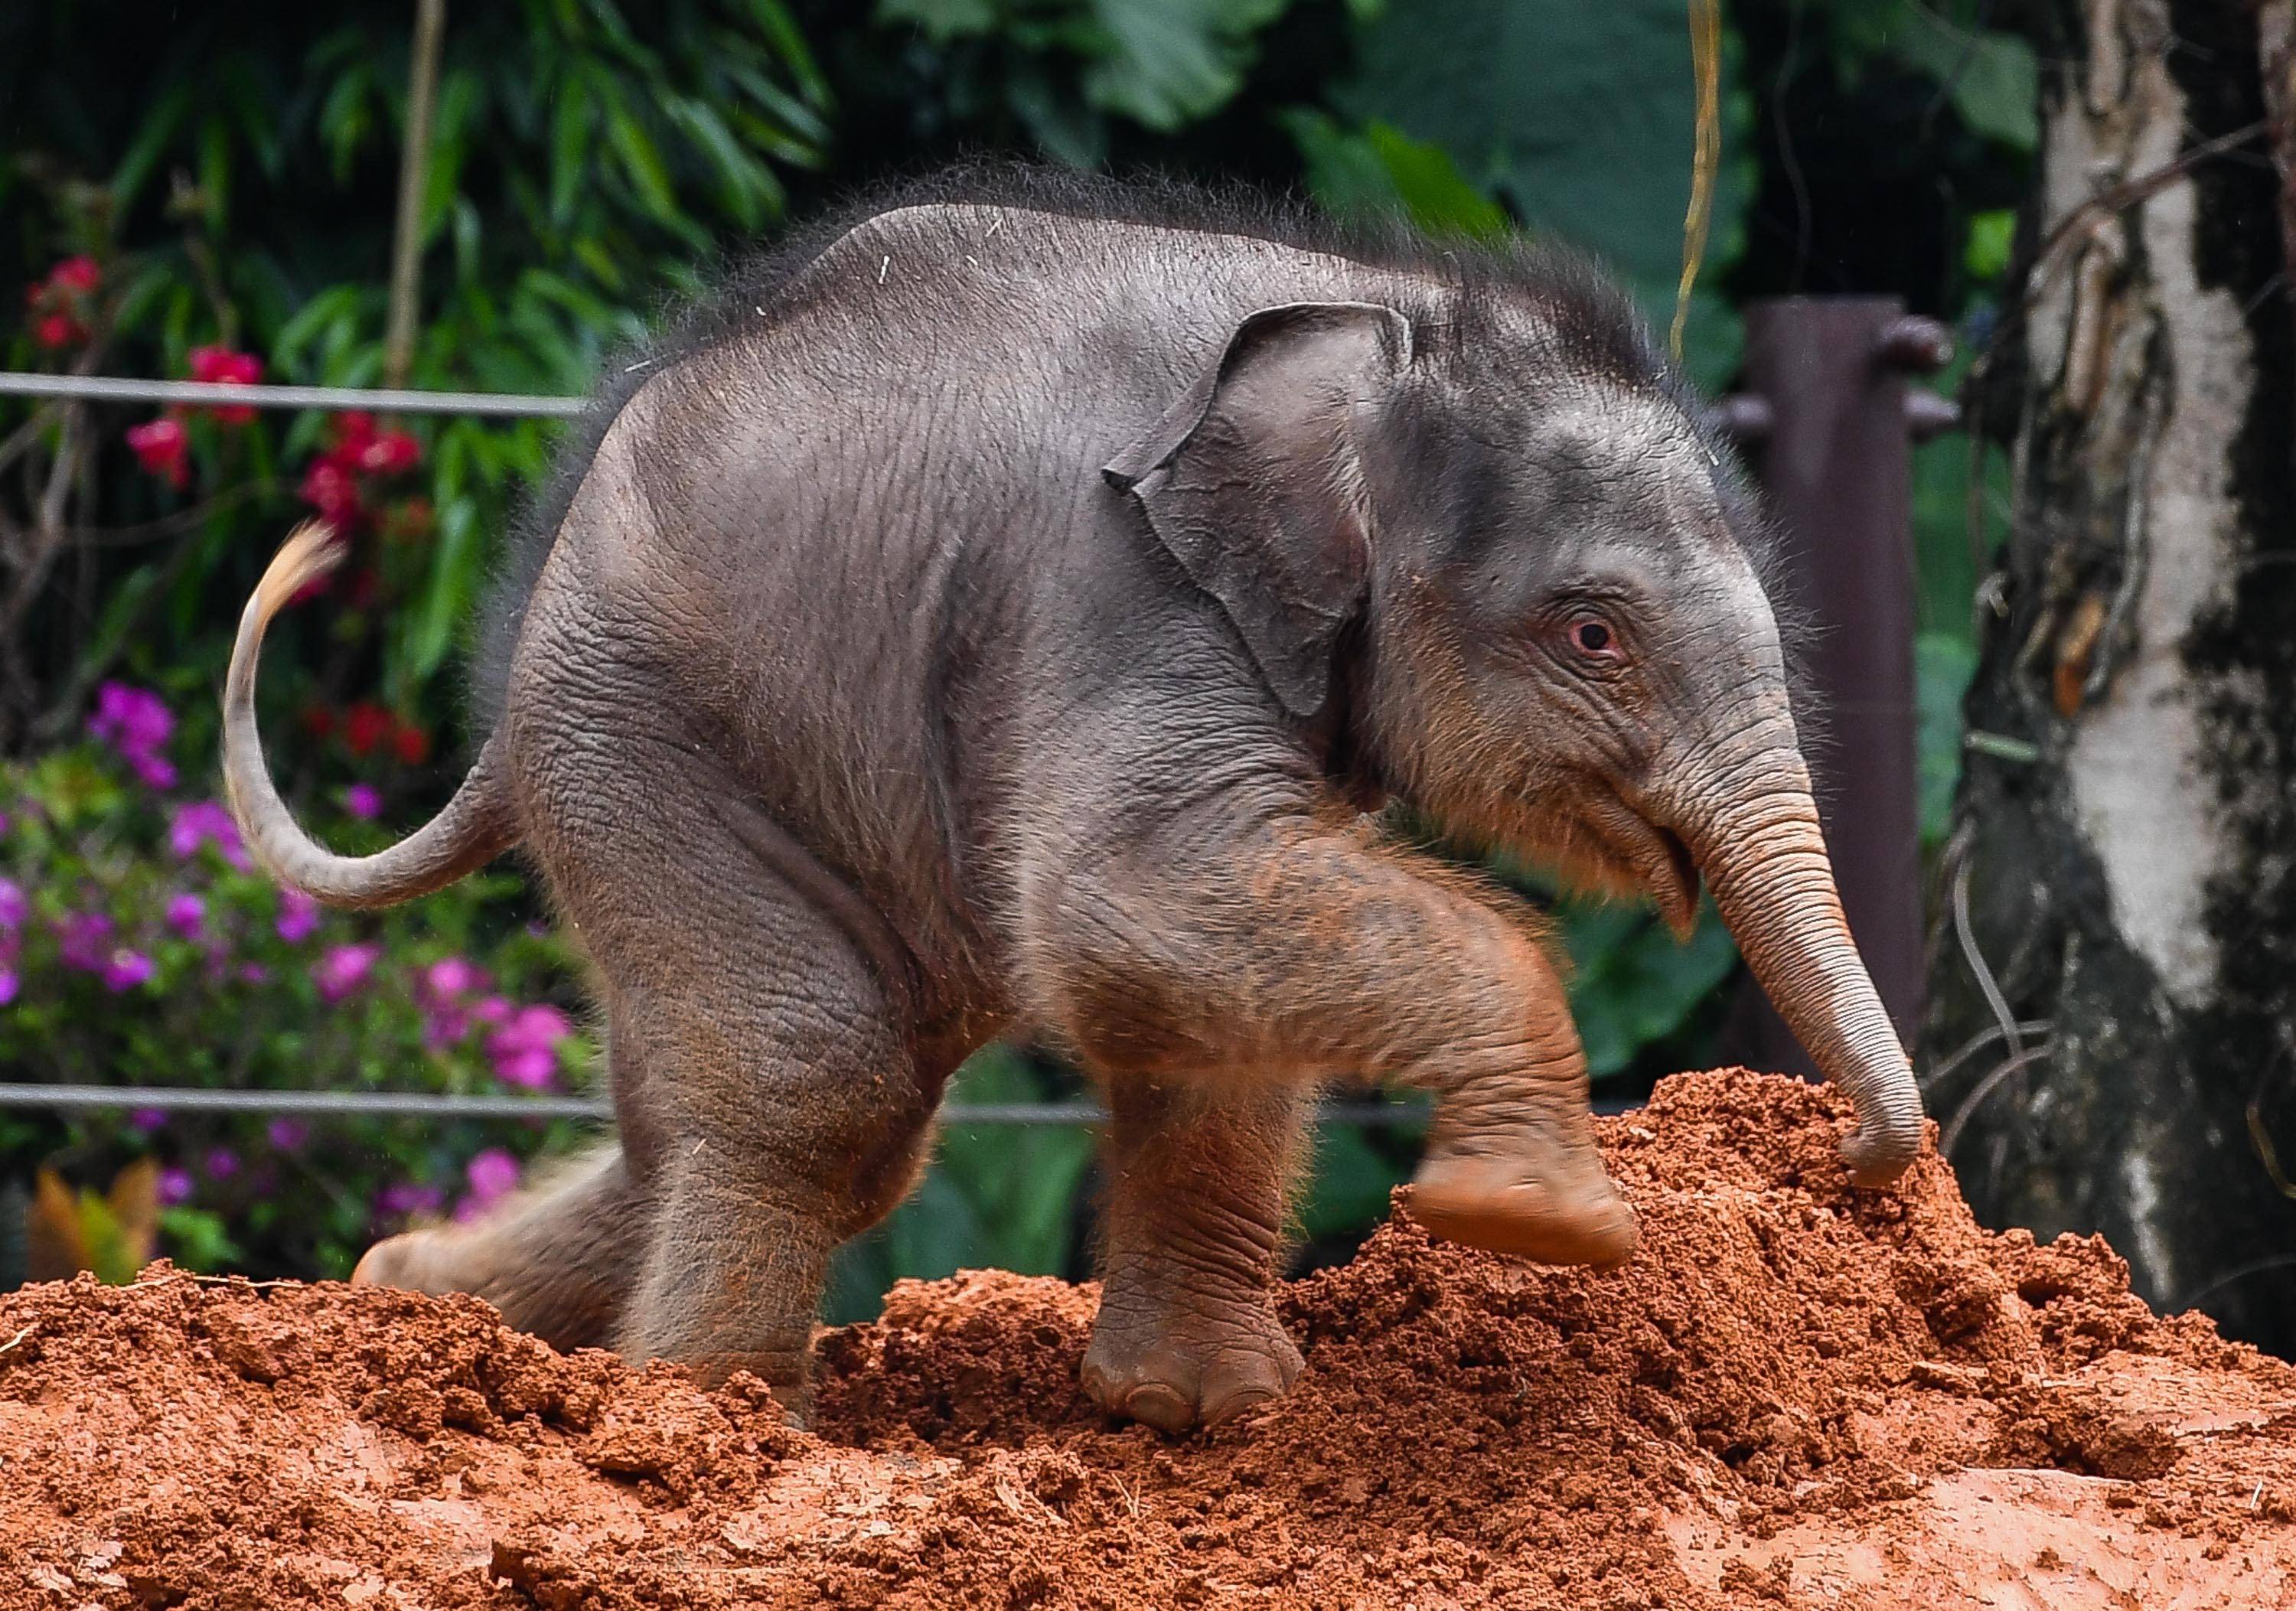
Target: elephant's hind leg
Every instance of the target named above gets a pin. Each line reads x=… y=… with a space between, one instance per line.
x=769 y=1103
x=558 y=1260
x=1187 y=1333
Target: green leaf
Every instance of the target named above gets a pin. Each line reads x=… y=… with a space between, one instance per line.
x=160 y=124
x=1169 y=63
x=570 y=138
x=1382 y=170
x=1992 y=239
x=1943 y=666
x=1631 y=982
x=1992 y=79
x=941 y=20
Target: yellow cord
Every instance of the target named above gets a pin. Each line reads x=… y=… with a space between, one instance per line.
x=1706 y=64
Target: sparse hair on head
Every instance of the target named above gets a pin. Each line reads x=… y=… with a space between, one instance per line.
x=1592 y=325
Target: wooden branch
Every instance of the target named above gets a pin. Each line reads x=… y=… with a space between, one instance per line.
x=414 y=161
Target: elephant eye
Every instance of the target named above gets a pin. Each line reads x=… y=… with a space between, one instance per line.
x=1592 y=638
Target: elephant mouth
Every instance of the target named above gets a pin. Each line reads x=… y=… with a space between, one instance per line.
x=1654 y=856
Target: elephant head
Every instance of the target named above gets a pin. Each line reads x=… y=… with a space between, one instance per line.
x=1502 y=537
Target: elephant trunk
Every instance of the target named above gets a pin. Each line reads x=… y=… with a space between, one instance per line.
x=1756 y=841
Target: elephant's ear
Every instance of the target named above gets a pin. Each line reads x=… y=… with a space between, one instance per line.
x=1253 y=482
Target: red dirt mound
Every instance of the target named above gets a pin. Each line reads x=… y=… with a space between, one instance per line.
x=1796 y=1395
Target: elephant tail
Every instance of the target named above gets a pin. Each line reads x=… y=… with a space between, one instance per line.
x=477 y=824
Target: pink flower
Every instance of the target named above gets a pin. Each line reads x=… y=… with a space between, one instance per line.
x=222 y=1163
x=253 y=973
x=362 y=800
x=9 y=984
x=343 y=969
x=331 y=490
x=220 y=365
x=144 y=1120
x=185 y=913
x=161 y=447
x=298 y=916
x=175 y=1186
x=203 y=822
x=492 y=1176
x=453 y=976
x=525 y=1049
x=288 y=1134
x=136 y=723
x=12 y=906
x=124 y=969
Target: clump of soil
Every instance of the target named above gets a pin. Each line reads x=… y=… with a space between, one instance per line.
x=1797 y=1394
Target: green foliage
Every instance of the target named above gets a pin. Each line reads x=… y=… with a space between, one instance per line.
x=1381 y=170
x=1066 y=67
x=1990 y=76
x=1579 y=118
x=238 y=189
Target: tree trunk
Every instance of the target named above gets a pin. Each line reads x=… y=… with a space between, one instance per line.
x=2125 y=851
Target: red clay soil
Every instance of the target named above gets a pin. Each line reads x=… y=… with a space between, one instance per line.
x=1797 y=1396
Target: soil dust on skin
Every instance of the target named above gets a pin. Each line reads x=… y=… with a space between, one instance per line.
x=1796 y=1395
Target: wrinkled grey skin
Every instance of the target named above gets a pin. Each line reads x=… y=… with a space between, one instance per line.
x=1002 y=629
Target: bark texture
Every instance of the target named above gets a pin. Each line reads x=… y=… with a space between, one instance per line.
x=2125 y=854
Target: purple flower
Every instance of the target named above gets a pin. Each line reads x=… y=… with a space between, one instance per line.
x=8 y=985
x=362 y=800
x=145 y=1120
x=4 y=823
x=402 y=1198
x=12 y=905
x=175 y=1186
x=343 y=969
x=185 y=913
x=299 y=914
x=525 y=1049
x=126 y=969
x=493 y=1175
x=288 y=1134
x=84 y=942
x=206 y=822
x=253 y=973
x=222 y=1163
x=137 y=724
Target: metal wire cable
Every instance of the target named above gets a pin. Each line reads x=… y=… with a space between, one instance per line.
x=108 y=389
x=427 y=1105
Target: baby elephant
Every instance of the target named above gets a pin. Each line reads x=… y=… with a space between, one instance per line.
x=998 y=617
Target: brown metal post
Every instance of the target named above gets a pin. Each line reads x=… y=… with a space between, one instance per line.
x=1830 y=430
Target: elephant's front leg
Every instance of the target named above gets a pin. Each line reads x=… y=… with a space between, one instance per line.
x=1187 y=1333
x=1300 y=949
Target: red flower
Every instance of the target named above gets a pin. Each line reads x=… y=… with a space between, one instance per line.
x=80 y=274
x=354 y=430
x=390 y=454
x=330 y=488
x=365 y=725
x=411 y=744
x=59 y=330
x=159 y=447
x=220 y=365
x=318 y=720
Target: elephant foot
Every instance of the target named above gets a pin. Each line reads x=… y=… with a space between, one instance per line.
x=1543 y=1204
x=1174 y=1367
x=415 y=1260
